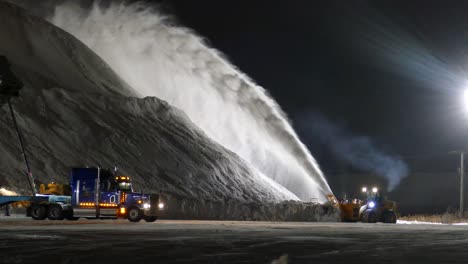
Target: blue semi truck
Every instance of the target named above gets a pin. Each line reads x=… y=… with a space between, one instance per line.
x=94 y=193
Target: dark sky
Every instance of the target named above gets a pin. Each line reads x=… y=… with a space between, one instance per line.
x=392 y=71
x=316 y=56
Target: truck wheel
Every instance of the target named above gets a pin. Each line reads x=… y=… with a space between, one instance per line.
x=134 y=214
x=69 y=215
x=28 y=211
x=390 y=217
x=55 y=212
x=38 y=212
x=150 y=219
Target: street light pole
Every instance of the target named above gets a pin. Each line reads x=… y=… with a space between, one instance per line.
x=462 y=174
x=461 y=183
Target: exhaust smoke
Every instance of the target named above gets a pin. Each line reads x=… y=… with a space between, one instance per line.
x=359 y=151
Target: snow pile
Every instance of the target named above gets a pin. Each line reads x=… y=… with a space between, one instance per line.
x=75 y=111
x=5 y=192
x=405 y=222
x=233 y=210
x=160 y=59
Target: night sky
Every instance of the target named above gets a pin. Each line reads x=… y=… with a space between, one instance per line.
x=390 y=71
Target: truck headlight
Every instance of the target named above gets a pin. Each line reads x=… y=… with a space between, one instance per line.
x=161 y=206
x=371 y=204
x=147 y=206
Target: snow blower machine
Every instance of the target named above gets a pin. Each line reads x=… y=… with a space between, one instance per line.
x=376 y=208
x=372 y=207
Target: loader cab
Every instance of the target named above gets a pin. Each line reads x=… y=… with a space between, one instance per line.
x=377 y=208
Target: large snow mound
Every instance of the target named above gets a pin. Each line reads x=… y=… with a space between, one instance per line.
x=158 y=58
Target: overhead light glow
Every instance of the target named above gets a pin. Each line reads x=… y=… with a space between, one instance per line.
x=465 y=99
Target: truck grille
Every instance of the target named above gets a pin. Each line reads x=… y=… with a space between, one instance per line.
x=154 y=201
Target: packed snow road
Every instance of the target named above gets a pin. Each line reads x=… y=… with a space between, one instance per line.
x=168 y=241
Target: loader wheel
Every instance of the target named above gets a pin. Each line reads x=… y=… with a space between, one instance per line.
x=389 y=217
x=369 y=217
x=134 y=214
x=38 y=212
x=55 y=212
x=150 y=219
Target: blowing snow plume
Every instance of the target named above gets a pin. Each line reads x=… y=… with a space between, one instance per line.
x=359 y=151
x=170 y=62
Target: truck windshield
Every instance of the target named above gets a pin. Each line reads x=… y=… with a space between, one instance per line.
x=125 y=186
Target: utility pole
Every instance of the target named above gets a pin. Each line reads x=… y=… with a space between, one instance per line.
x=9 y=87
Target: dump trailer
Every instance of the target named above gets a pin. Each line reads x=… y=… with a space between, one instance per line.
x=95 y=193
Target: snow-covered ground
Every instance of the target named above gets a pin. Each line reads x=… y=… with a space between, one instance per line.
x=76 y=111
x=101 y=241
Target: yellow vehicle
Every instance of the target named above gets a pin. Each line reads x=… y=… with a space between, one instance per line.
x=54 y=188
x=377 y=208
x=349 y=210
x=374 y=208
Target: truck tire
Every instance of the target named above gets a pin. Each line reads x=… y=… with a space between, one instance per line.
x=389 y=217
x=69 y=215
x=38 y=211
x=150 y=219
x=134 y=214
x=55 y=212
x=28 y=211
